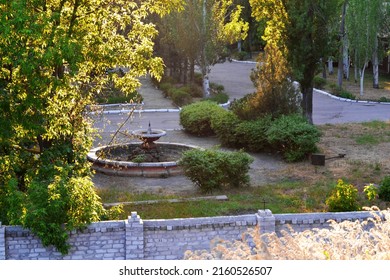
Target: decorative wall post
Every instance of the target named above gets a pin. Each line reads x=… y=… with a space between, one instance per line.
x=266 y=221
x=134 y=237
x=2 y=242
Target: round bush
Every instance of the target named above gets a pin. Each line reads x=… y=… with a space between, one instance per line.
x=293 y=136
x=196 y=117
x=212 y=169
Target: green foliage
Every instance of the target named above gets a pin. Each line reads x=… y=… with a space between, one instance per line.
x=54 y=61
x=384 y=189
x=213 y=169
x=224 y=124
x=319 y=82
x=252 y=135
x=196 y=118
x=180 y=97
x=194 y=90
x=220 y=98
x=293 y=136
x=166 y=88
x=343 y=198
x=371 y=191
x=276 y=95
x=242 y=55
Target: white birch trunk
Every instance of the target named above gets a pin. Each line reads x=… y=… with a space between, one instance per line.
x=206 y=86
x=375 y=65
x=330 y=66
x=362 y=79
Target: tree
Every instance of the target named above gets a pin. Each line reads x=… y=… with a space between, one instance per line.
x=302 y=33
x=363 y=24
x=201 y=32
x=54 y=57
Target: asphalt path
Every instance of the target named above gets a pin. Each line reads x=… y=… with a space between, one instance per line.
x=235 y=77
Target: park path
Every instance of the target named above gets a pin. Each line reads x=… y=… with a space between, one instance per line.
x=235 y=78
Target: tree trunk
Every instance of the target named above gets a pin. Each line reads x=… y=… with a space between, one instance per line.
x=307 y=103
x=346 y=61
x=375 y=66
x=185 y=71
x=206 y=86
x=330 y=66
x=362 y=79
x=342 y=35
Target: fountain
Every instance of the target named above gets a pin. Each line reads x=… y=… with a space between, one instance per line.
x=145 y=159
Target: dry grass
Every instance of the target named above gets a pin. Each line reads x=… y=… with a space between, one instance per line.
x=367 y=149
x=349 y=240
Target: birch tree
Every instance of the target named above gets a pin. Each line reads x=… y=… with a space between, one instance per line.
x=209 y=26
x=363 y=21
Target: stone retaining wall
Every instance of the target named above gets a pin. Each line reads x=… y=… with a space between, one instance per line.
x=139 y=239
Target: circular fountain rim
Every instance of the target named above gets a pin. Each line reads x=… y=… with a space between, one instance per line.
x=93 y=157
x=146 y=133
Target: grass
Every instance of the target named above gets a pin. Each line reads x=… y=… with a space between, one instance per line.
x=296 y=188
x=353 y=88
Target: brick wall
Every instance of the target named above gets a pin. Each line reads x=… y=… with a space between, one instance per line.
x=158 y=239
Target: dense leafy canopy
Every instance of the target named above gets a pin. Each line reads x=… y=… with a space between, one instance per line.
x=300 y=29
x=54 y=57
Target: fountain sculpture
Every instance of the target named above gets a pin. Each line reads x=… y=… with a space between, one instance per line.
x=146 y=159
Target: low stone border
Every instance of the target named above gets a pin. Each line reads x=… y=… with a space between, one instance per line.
x=133 y=169
x=218 y=198
x=350 y=100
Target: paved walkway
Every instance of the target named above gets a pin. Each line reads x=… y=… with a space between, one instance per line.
x=235 y=78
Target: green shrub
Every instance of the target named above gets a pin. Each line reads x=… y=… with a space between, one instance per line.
x=343 y=93
x=180 y=97
x=243 y=108
x=194 y=90
x=293 y=136
x=216 y=88
x=371 y=191
x=319 y=82
x=165 y=88
x=344 y=197
x=384 y=99
x=224 y=124
x=213 y=169
x=242 y=55
x=251 y=135
x=196 y=118
x=384 y=189
x=220 y=98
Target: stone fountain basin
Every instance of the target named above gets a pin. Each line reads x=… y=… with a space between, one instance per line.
x=119 y=167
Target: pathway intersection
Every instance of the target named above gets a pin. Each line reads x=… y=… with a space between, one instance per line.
x=234 y=76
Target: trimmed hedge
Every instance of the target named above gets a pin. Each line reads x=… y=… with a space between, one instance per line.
x=224 y=124
x=212 y=169
x=196 y=117
x=293 y=136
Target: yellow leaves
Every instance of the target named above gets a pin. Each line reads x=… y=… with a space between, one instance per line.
x=236 y=29
x=275 y=14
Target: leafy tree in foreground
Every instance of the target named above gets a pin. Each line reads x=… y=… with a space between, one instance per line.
x=54 y=56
